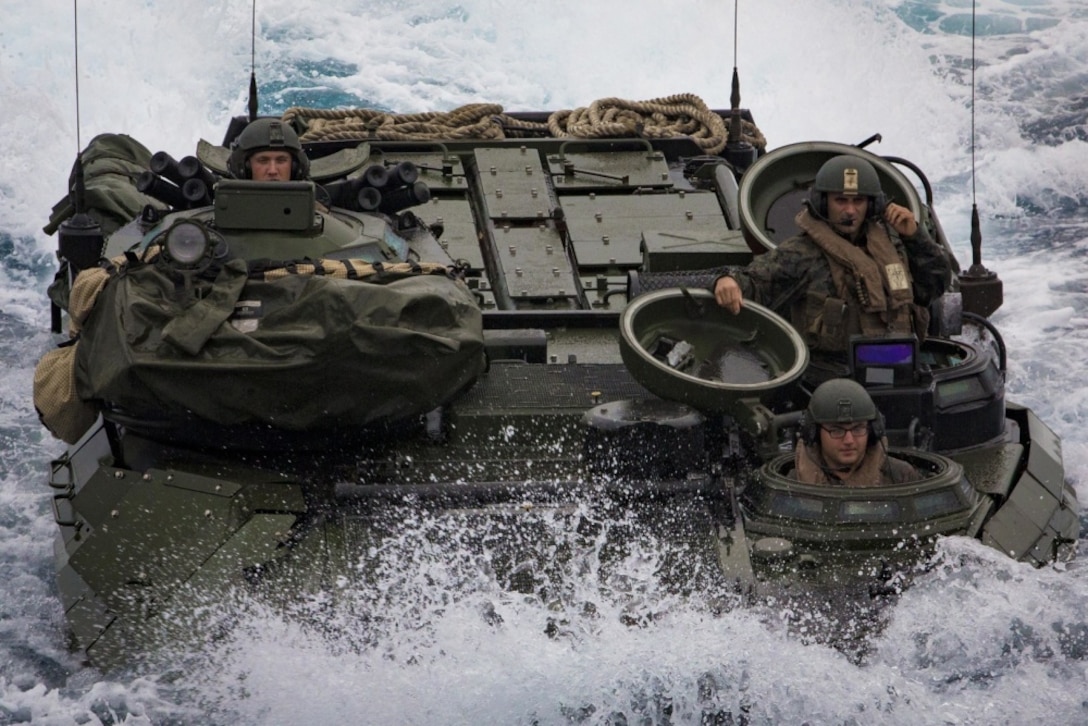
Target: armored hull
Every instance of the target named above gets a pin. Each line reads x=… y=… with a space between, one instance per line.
x=567 y=351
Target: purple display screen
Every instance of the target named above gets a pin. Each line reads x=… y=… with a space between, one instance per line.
x=884 y=354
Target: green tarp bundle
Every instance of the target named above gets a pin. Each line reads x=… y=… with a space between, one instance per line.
x=296 y=352
x=111 y=165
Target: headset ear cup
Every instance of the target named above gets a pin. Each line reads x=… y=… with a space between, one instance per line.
x=808 y=430
x=300 y=166
x=876 y=428
x=880 y=203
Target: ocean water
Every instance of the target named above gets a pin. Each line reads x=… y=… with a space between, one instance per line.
x=978 y=640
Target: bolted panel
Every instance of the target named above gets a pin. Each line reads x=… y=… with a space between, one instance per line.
x=607 y=230
x=513 y=184
x=573 y=172
x=459 y=238
x=534 y=263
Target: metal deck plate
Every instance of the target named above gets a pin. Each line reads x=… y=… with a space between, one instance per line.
x=458 y=228
x=534 y=263
x=611 y=170
x=608 y=230
x=513 y=183
x=560 y=387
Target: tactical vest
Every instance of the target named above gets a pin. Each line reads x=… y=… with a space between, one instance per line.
x=876 y=468
x=874 y=292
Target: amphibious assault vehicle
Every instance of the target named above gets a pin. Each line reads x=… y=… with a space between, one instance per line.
x=493 y=313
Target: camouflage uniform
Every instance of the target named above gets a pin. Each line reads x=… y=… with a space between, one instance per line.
x=796 y=280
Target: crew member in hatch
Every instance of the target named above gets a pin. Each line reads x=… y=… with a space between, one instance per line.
x=268 y=150
x=842 y=440
x=861 y=266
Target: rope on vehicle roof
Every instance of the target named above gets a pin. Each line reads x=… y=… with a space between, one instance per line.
x=474 y=121
x=680 y=115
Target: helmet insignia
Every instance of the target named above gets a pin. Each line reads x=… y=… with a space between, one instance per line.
x=850 y=181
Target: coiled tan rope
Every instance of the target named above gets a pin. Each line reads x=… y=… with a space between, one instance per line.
x=475 y=121
x=682 y=114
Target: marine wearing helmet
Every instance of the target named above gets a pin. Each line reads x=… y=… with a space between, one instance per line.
x=861 y=266
x=847 y=176
x=268 y=150
x=842 y=440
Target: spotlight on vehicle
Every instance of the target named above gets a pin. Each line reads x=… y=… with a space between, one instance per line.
x=189 y=244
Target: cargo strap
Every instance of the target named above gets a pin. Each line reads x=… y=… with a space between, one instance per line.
x=350 y=269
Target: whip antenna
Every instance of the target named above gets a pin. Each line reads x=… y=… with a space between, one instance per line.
x=738 y=152
x=736 y=23
x=976 y=233
x=79 y=237
x=75 y=41
x=983 y=292
x=253 y=64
